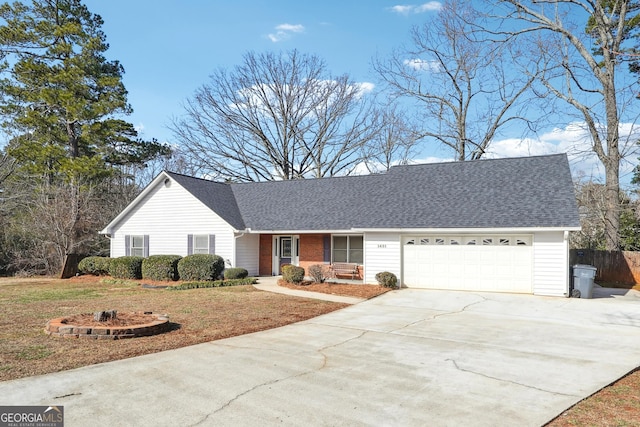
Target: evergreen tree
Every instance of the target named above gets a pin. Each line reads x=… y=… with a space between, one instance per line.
x=61 y=98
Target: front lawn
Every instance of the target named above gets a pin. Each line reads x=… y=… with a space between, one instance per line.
x=200 y=315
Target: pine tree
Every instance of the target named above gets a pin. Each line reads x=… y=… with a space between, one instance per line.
x=61 y=98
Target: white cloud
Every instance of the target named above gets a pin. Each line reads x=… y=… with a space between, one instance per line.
x=574 y=140
x=297 y=28
x=406 y=9
x=428 y=7
x=365 y=88
x=139 y=127
x=403 y=10
x=422 y=64
x=284 y=32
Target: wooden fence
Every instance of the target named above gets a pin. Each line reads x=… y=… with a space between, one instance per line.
x=613 y=266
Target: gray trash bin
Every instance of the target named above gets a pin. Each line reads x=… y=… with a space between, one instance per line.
x=583 y=276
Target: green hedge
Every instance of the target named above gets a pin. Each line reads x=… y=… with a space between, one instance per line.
x=292 y=274
x=387 y=279
x=212 y=284
x=95 y=265
x=235 y=273
x=200 y=267
x=161 y=267
x=126 y=267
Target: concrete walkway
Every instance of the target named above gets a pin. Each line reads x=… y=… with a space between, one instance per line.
x=406 y=358
x=270 y=284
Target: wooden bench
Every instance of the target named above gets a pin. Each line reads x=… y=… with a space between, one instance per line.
x=344 y=268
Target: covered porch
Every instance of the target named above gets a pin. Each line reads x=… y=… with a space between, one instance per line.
x=304 y=250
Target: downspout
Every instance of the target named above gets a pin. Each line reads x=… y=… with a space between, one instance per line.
x=567 y=293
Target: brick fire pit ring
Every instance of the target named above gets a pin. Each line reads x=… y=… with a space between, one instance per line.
x=72 y=327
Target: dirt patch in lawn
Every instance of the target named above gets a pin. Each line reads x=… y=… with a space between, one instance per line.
x=200 y=315
x=342 y=289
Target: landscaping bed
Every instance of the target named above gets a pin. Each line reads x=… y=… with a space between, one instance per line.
x=342 y=289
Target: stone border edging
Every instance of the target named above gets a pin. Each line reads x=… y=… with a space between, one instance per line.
x=58 y=328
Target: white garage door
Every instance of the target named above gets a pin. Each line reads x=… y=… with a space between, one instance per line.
x=497 y=263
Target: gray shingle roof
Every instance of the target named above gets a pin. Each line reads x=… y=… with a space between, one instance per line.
x=496 y=193
x=216 y=196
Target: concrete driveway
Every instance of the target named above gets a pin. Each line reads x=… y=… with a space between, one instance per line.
x=408 y=358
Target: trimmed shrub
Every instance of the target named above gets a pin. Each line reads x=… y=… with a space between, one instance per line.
x=161 y=267
x=214 y=284
x=387 y=279
x=318 y=272
x=235 y=273
x=292 y=274
x=201 y=267
x=95 y=265
x=126 y=267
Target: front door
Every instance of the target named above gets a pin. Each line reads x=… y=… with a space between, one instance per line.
x=285 y=250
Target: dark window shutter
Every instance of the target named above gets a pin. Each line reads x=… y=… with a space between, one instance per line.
x=146 y=245
x=127 y=245
x=189 y=244
x=326 y=249
x=212 y=244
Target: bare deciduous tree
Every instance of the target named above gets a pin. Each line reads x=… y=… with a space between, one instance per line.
x=585 y=46
x=276 y=116
x=394 y=144
x=462 y=85
x=53 y=222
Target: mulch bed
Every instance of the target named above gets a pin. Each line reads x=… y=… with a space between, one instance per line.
x=342 y=289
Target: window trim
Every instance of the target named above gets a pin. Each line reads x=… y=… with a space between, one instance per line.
x=131 y=250
x=191 y=244
x=202 y=249
x=348 y=248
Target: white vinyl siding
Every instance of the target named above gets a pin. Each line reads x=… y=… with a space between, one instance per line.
x=551 y=264
x=248 y=250
x=381 y=253
x=168 y=214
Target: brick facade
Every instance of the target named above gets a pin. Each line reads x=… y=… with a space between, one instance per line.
x=311 y=252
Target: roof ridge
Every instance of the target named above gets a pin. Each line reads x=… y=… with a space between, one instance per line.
x=487 y=160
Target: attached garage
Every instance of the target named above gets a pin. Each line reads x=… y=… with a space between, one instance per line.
x=495 y=263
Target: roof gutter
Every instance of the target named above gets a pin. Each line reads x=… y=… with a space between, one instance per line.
x=466 y=230
x=413 y=230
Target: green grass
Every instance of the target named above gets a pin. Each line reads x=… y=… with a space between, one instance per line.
x=35 y=352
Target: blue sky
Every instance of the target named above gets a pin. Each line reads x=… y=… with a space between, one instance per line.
x=169 y=48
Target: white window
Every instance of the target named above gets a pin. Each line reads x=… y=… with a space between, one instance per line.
x=349 y=249
x=201 y=244
x=137 y=246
